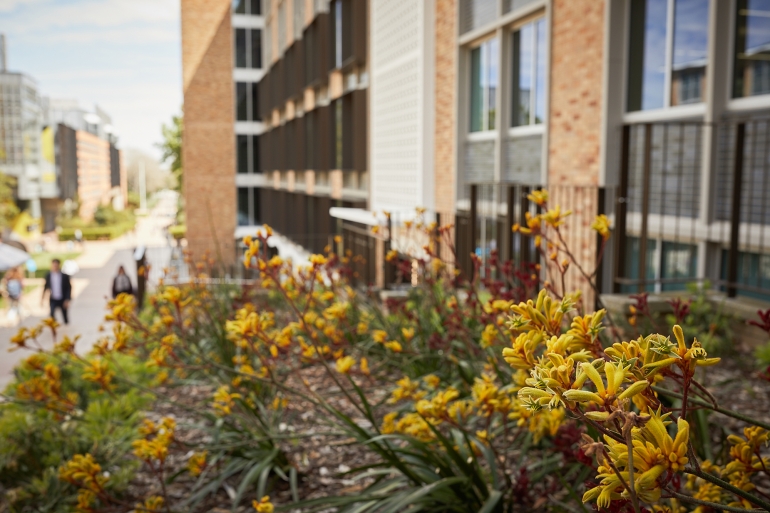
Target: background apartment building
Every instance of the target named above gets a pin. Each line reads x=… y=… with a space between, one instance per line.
x=651 y=111
x=56 y=150
x=89 y=166
x=25 y=148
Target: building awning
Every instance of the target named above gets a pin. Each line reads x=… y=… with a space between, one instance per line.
x=356 y=215
x=369 y=218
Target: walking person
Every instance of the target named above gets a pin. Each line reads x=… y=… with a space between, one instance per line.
x=13 y=288
x=60 y=288
x=121 y=284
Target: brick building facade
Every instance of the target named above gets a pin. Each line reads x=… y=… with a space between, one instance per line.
x=462 y=106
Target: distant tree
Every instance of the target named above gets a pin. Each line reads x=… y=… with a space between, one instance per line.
x=8 y=208
x=156 y=177
x=172 y=148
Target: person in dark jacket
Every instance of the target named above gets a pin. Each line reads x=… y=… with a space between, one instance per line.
x=121 y=283
x=60 y=288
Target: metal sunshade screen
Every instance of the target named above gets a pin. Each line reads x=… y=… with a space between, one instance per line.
x=476 y=13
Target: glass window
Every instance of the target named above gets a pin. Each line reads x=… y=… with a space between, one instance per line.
x=244 y=218
x=690 y=51
x=256 y=48
x=255 y=154
x=654 y=42
x=338 y=34
x=338 y=134
x=679 y=261
x=484 y=82
x=256 y=207
x=632 y=265
x=241 y=102
x=240 y=48
x=753 y=271
x=254 y=7
x=528 y=102
x=243 y=153
x=752 y=48
x=254 y=102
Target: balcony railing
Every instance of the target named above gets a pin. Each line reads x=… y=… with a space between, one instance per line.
x=688 y=211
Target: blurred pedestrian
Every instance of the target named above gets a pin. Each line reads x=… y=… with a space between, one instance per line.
x=121 y=284
x=13 y=288
x=60 y=288
x=79 y=237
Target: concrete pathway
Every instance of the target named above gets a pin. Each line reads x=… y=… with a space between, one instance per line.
x=92 y=287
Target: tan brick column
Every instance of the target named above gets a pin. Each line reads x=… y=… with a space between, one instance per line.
x=208 y=151
x=575 y=124
x=446 y=112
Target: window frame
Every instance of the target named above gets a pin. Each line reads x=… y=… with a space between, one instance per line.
x=513 y=102
x=696 y=108
x=248 y=39
x=479 y=45
x=247 y=7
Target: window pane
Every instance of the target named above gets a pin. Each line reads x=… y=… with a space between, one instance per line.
x=540 y=72
x=752 y=48
x=523 y=55
x=691 y=19
x=647 y=54
x=632 y=265
x=240 y=48
x=255 y=205
x=239 y=6
x=679 y=261
x=255 y=7
x=256 y=48
x=243 y=153
x=492 y=80
x=254 y=102
x=241 y=102
x=243 y=206
x=477 y=95
x=338 y=134
x=255 y=154
x=338 y=34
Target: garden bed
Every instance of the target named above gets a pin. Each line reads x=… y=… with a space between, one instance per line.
x=452 y=397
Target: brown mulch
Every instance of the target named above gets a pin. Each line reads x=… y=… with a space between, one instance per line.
x=321 y=454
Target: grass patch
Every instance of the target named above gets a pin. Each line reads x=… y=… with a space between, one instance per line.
x=43 y=261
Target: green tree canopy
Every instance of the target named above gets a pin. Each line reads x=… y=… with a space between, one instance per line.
x=8 y=208
x=172 y=148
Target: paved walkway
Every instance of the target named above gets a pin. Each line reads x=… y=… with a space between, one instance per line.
x=92 y=286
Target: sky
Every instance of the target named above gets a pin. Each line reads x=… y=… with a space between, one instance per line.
x=122 y=55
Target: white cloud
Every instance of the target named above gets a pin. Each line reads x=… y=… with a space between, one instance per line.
x=10 y=5
x=94 y=13
x=123 y=55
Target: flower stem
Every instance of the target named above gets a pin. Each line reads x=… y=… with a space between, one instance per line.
x=727 y=486
x=712 y=505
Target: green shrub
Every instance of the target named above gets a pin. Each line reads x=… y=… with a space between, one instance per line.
x=106 y=215
x=36 y=440
x=178 y=231
x=96 y=232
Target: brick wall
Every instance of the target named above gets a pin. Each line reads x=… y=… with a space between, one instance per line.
x=208 y=153
x=577 y=56
x=577 y=53
x=94 y=174
x=445 y=165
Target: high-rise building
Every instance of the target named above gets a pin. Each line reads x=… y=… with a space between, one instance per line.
x=56 y=150
x=22 y=151
x=653 y=112
x=88 y=163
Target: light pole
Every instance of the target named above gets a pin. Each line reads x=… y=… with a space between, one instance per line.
x=142 y=187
